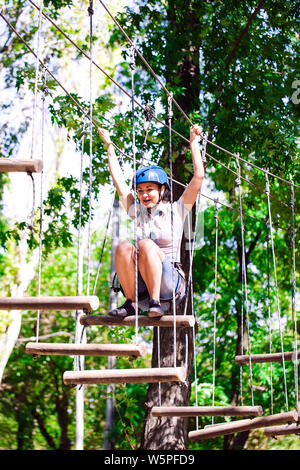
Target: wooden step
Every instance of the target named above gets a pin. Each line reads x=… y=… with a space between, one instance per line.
x=86 y=303
x=283 y=430
x=69 y=349
x=223 y=429
x=185 y=321
x=271 y=357
x=189 y=411
x=162 y=374
x=13 y=165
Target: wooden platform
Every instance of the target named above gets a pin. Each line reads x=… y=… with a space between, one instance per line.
x=69 y=349
x=190 y=411
x=283 y=430
x=13 y=165
x=86 y=303
x=183 y=321
x=223 y=429
x=273 y=357
x=163 y=374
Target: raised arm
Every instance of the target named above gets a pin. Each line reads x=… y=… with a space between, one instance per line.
x=190 y=193
x=116 y=172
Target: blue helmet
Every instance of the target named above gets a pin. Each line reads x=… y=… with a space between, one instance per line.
x=153 y=174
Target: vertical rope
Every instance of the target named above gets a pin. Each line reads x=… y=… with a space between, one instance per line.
x=91 y=12
x=37 y=61
x=215 y=304
x=269 y=317
x=79 y=331
x=78 y=292
x=189 y=286
x=244 y=272
x=41 y=203
x=276 y=288
x=294 y=316
x=170 y=115
x=132 y=69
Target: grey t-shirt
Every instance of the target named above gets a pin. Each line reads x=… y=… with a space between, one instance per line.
x=157 y=225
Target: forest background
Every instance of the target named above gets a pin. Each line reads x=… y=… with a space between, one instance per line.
x=232 y=67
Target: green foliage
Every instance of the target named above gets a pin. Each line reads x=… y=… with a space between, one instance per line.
x=240 y=92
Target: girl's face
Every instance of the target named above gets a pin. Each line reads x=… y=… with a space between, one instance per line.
x=149 y=194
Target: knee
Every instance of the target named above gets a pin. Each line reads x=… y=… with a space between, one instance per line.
x=146 y=247
x=124 y=249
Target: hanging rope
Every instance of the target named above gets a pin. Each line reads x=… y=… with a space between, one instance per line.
x=244 y=276
x=170 y=116
x=294 y=315
x=44 y=90
x=132 y=70
x=189 y=285
x=91 y=12
x=37 y=63
x=79 y=331
x=269 y=317
x=276 y=288
x=215 y=303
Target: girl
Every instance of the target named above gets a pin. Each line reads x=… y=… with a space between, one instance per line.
x=158 y=247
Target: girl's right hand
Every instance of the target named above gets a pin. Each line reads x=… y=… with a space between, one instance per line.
x=104 y=134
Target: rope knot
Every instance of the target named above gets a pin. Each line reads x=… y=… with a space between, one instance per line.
x=90 y=9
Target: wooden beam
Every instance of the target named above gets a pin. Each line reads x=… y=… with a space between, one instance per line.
x=189 y=411
x=162 y=374
x=283 y=430
x=86 y=303
x=223 y=429
x=69 y=349
x=13 y=165
x=185 y=321
x=273 y=357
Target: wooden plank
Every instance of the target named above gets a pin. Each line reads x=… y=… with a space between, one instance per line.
x=223 y=429
x=14 y=165
x=273 y=357
x=189 y=411
x=86 y=303
x=69 y=349
x=164 y=321
x=283 y=430
x=162 y=374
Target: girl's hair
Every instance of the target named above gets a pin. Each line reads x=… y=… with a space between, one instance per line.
x=167 y=195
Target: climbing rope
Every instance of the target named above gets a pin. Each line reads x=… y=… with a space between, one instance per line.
x=170 y=116
x=132 y=70
x=294 y=316
x=268 y=302
x=276 y=288
x=44 y=90
x=37 y=63
x=91 y=12
x=215 y=303
x=244 y=275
